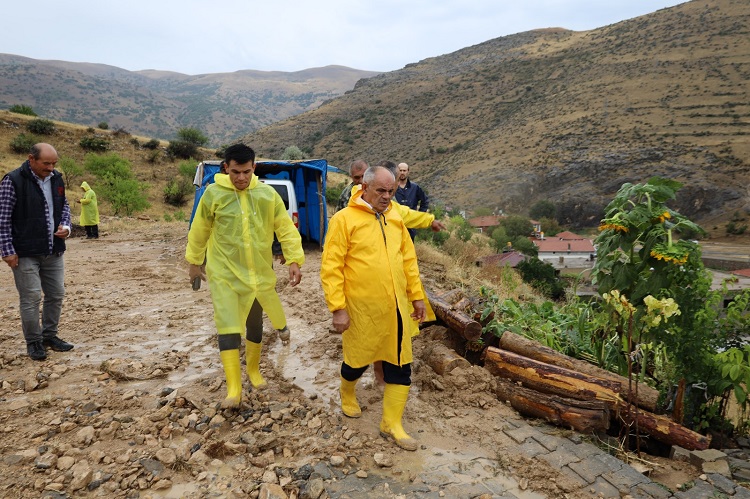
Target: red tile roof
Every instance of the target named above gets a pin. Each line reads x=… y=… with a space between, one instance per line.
x=742 y=272
x=485 y=221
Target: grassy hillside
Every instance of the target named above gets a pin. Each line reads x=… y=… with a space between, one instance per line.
x=66 y=139
x=560 y=115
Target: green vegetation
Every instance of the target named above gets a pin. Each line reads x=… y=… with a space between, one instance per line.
x=41 y=126
x=151 y=144
x=543 y=209
x=118 y=184
x=657 y=319
x=95 y=144
x=22 y=109
x=292 y=153
x=179 y=188
x=187 y=143
x=70 y=170
x=333 y=192
x=22 y=143
x=103 y=125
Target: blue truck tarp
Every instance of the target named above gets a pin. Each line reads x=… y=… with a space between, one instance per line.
x=308 y=177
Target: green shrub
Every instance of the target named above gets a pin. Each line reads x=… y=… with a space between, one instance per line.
x=192 y=136
x=182 y=149
x=41 y=126
x=22 y=109
x=334 y=192
x=94 y=144
x=103 y=125
x=134 y=142
x=126 y=195
x=167 y=217
x=104 y=165
x=22 y=143
x=187 y=168
x=151 y=144
x=179 y=215
x=177 y=191
x=70 y=170
x=292 y=153
x=542 y=277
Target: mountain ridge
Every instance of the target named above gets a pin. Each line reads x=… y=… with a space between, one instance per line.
x=561 y=115
x=158 y=103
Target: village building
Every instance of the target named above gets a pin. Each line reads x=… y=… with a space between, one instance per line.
x=566 y=250
x=484 y=223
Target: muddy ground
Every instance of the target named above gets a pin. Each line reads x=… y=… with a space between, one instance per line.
x=133 y=411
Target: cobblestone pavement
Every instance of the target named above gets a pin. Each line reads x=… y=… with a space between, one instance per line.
x=588 y=471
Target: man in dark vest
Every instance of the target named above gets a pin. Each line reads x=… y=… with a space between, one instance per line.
x=34 y=223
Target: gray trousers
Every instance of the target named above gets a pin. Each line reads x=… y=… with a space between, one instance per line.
x=34 y=276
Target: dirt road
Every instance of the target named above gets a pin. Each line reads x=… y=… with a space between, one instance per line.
x=134 y=406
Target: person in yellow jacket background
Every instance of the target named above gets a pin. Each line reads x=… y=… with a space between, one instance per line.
x=371 y=283
x=232 y=231
x=89 y=212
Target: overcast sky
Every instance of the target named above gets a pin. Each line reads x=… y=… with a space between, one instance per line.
x=216 y=36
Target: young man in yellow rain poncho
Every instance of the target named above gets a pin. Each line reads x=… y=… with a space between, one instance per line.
x=232 y=232
x=371 y=283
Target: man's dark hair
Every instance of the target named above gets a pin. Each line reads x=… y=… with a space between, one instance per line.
x=239 y=153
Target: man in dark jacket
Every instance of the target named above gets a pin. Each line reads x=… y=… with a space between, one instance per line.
x=409 y=193
x=34 y=223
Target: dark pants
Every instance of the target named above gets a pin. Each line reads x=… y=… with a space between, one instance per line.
x=92 y=231
x=393 y=374
x=253 y=330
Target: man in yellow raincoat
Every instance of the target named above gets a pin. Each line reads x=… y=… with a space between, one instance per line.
x=371 y=283
x=232 y=231
x=89 y=212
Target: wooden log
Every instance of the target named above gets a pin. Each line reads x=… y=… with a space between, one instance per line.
x=462 y=304
x=443 y=360
x=451 y=296
x=455 y=319
x=551 y=379
x=664 y=430
x=647 y=396
x=580 y=415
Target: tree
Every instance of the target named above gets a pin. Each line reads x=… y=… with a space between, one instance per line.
x=70 y=170
x=550 y=227
x=542 y=209
x=516 y=225
x=523 y=244
x=542 y=277
x=292 y=153
x=192 y=136
x=482 y=212
x=500 y=239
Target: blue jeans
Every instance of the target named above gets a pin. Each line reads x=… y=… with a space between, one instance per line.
x=36 y=275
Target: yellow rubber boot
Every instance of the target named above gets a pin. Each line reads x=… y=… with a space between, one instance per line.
x=349 y=404
x=252 y=358
x=230 y=359
x=394 y=402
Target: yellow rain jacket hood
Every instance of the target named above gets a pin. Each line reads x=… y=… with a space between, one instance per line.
x=89 y=206
x=369 y=268
x=232 y=231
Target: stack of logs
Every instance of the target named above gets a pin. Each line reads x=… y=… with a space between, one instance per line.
x=543 y=383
